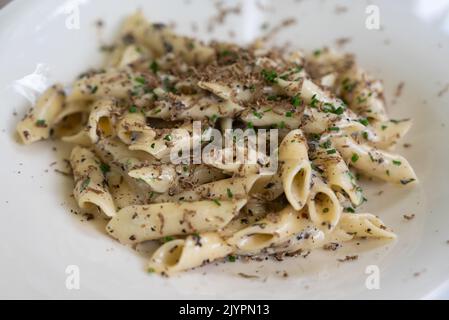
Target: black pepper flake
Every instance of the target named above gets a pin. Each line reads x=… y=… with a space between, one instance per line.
x=128 y=38
x=167 y=47
x=349 y=258
x=159 y=26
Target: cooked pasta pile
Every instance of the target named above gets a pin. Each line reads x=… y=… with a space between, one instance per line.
x=127 y=118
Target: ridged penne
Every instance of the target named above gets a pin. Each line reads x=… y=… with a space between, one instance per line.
x=213 y=150
x=193 y=251
x=135 y=224
x=295 y=171
x=38 y=122
x=275 y=228
x=374 y=162
x=335 y=171
x=225 y=189
x=91 y=187
x=323 y=205
x=364 y=225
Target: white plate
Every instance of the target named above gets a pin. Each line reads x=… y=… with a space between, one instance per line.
x=40 y=237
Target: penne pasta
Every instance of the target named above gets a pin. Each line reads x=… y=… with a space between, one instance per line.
x=135 y=224
x=213 y=150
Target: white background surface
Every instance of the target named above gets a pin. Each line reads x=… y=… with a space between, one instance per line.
x=41 y=237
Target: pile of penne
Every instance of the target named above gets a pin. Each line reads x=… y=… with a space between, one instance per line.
x=127 y=119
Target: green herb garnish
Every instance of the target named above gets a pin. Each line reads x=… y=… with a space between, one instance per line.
x=84 y=184
x=154 y=67
x=93 y=89
x=167 y=239
x=41 y=124
x=140 y=80
x=257 y=114
x=296 y=101
x=363 y=121
x=326 y=144
x=105 y=168
x=314 y=101
x=269 y=75
x=365 y=135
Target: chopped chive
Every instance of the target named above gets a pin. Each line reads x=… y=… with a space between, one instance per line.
x=216 y=202
x=154 y=67
x=85 y=184
x=168 y=137
x=232 y=258
x=41 y=124
x=397 y=162
x=140 y=80
x=225 y=53
x=257 y=114
x=334 y=129
x=360 y=99
x=167 y=239
x=331 y=151
x=330 y=108
x=365 y=135
x=288 y=114
x=269 y=75
x=314 y=101
x=229 y=192
x=349 y=209
x=354 y=157
x=151 y=270
x=326 y=145
x=133 y=109
x=347 y=85
x=105 y=168
x=296 y=101
x=315 y=136
x=298 y=69
x=363 y=121
x=93 y=89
